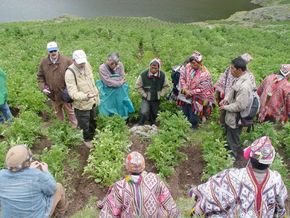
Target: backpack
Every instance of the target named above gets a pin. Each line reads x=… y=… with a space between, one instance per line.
x=247 y=116
x=175 y=75
x=64 y=93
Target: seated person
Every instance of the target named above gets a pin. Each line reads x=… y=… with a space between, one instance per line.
x=27 y=189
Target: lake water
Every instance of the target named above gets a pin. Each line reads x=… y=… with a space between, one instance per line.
x=168 y=10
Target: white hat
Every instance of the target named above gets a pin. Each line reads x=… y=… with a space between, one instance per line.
x=80 y=57
x=246 y=57
x=52 y=46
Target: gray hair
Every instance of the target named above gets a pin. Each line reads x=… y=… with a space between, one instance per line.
x=114 y=56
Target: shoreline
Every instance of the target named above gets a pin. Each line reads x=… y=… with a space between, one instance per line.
x=72 y=17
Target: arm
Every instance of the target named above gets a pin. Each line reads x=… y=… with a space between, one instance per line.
x=165 y=87
x=182 y=78
x=139 y=87
x=41 y=77
x=288 y=104
x=241 y=102
x=280 y=197
x=167 y=202
x=72 y=87
x=47 y=183
x=112 y=204
x=108 y=79
x=261 y=87
x=221 y=83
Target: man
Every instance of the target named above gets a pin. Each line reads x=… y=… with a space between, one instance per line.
x=196 y=90
x=254 y=191
x=274 y=94
x=27 y=189
x=51 y=81
x=4 y=108
x=140 y=194
x=235 y=101
x=81 y=87
x=152 y=85
x=114 y=91
x=224 y=84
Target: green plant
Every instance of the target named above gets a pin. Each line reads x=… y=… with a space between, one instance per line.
x=55 y=158
x=4 y=146
x=63 y=134
x=25 y=129
x=106 y=159
x=173 y=133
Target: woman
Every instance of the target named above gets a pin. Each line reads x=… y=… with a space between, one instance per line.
x=196 y=90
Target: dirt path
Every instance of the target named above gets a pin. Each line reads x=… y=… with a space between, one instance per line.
x=187 y=173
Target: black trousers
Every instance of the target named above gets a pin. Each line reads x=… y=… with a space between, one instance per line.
x=149 y=111
x=191 y=116
x=87 y=122
x=233 y=138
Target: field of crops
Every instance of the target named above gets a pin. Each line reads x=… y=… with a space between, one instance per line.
x=86 y=174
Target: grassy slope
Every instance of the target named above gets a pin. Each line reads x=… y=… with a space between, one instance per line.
x=138 y=41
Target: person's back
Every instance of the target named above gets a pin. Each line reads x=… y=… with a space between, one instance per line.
x=27 y=193
x=140 y=194
x=274 y=94
x=254 y=191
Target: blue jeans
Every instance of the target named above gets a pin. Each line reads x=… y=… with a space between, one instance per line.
x=6 y=113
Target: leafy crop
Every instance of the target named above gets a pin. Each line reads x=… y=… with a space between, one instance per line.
x=62 y=134
x=106 y=159
x=164 y=149
x=4 y=146
x=55 y=158
x=25 y=129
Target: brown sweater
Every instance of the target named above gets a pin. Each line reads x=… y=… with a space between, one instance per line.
x=52 y=75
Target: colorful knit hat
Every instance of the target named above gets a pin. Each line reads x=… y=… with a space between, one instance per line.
x=285 y=69
x=262 y=150
x=197 y=56
x=135 y=162
x=246 y=57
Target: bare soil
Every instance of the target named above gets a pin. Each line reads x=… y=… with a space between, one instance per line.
x=80 y=188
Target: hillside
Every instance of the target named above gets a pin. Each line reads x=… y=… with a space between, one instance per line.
x=138 y=40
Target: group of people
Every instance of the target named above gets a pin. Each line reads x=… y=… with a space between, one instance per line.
x=110 y=94
x=27 y=189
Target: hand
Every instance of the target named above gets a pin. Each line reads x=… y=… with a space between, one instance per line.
x=91 y=95
x=44 y=167
x=35 y=164
x=222 y=107
x=188 y=95
x=46 y=91
x=223 y=102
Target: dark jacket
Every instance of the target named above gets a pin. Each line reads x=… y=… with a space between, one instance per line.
x=52 y=75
